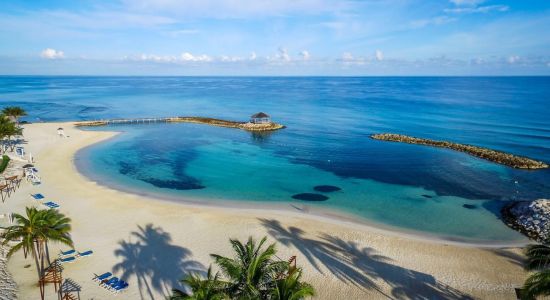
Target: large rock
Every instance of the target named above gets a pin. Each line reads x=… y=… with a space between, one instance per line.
x=531 y=218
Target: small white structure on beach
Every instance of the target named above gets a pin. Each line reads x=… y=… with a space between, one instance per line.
x=260 y=118
x=60 y=132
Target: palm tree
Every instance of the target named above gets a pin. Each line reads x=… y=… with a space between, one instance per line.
x=34 y=230
x=210 y=288
x=8 y=129
x=290 y=287
x=253 y=271
x=14 y=112
x=58 y=230
x=538 y=284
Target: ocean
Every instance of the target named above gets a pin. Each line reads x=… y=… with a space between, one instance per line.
x=329 y=120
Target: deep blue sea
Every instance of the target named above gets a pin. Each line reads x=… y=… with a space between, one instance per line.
x=326 y=142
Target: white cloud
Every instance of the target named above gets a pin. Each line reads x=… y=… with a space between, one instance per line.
x=440 y=20
x=226 y=58
x=235 y=9
x=513 y=59
x=467 y=2
x=305 y=55
x=186 y=56
x=50 y=53
x=348 y=59
x=346 y=56
x=478 y=9
x=282 y=54
x=379 y=55
x=253 y=56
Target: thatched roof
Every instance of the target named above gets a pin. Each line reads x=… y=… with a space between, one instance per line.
x=259 y=115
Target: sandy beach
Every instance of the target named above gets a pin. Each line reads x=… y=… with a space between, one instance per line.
x=341 y=260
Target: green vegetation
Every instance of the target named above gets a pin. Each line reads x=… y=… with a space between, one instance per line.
x=253 y=273
x=9 y=127
x=14 y=112
x=34 y=230
x=4 y=164
x=538 y=284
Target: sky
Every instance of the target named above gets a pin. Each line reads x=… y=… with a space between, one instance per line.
x=276 y=37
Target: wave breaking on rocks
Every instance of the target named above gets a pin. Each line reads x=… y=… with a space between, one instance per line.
x=531 y=218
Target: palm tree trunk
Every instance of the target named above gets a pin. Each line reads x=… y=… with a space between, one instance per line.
x=48 y=253
x=35 y=255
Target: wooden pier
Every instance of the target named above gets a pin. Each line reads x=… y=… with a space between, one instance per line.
x=198 y=120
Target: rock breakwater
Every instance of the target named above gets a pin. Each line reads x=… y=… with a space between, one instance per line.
x=531 y=218
x=507 y=159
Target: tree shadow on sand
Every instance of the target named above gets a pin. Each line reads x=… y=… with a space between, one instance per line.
x=154 y=260
x=361 y=266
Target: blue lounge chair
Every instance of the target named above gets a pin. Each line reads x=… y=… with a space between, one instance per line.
x=108 y=283
x=68 y=252
x=120 y=287
x=51 y=204
x=37 y=196
x=85 y=253
x=67 y=259
x=102 y=276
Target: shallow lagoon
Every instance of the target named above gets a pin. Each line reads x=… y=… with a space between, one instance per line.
x=326 y=142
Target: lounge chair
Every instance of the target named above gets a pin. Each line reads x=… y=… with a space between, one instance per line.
x=107 y=283
x=68 y=252
x=67 y=260
x=85 y=253
x=102 y=277
x=37 y=196
x=121 y=286
x=51 y=204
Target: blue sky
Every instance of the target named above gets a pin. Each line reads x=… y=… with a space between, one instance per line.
x=278 y=37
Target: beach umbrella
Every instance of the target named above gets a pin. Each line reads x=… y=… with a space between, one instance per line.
x=59 y=128
x=28 y=166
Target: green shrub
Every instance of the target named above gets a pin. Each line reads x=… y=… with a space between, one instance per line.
x=4 y=164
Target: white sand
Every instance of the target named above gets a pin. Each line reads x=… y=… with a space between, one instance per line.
x=341 y=260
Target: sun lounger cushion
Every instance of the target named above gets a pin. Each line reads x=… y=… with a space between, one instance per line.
x=85 y=253
x=67 y=259
x=103 y=276
x=37 y=196
x=68 y=252
x=51 y=204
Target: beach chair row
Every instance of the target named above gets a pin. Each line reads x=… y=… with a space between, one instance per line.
x=111 y=283
x=72 y=255
x=49 y=204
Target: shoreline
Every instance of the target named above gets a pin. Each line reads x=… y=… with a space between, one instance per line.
x=313 y=213
x=340 y=259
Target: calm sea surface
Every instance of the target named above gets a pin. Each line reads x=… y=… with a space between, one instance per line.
x=326 y=142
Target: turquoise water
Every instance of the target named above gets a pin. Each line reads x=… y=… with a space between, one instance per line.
x=327 y=142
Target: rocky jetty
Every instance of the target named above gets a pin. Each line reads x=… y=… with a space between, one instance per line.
x=495 y=156
x=198 y=120
x=531 y=218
